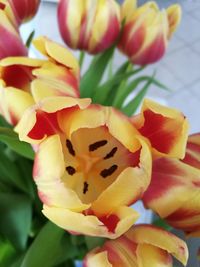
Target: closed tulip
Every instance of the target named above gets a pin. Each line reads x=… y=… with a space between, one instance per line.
x=147 y=31
x=26 y=81
x=24 y=10
x=141 y=246
x=10 y=41
x=91 y=25
x=174 y=192
x=91 y=164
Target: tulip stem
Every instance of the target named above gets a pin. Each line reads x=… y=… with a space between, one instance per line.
x=81 y=58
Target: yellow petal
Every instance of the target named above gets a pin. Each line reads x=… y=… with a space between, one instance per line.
x=48 y=172
x=174 y=18
x=128 y=186
x=98 y=260
x=148 y=234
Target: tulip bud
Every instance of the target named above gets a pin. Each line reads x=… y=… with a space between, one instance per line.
x=10 y=41
x=24 y=10
x=147 y=31
x=142 y=245
x=91 y=25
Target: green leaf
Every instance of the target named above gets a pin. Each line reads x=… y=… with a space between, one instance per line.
x=163 y=224
x=10 y=174
x=15 y=221
x=120 y=98
x=30 y=38
x=102 y=92
x=10 y=138
x=95 y=72
x=51 y=246
x=93 y=242
x=132 y=106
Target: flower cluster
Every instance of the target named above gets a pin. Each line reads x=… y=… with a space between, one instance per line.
x=93 y=26
x=92 y=162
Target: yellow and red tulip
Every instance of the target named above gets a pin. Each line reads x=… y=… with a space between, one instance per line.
x=141 y=246
x=24 y=10
x=147 y=30
x=26 y=81
x=165 y=128
x=174 y=192
x=91 y=166
x=10 y=41
x=91 y=25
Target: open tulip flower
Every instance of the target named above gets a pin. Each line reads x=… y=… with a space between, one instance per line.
x=10 y=41
x=147 y=30
x=26 y=81
x=91 y=165
x=24 y=10
x=141 y=246
x=91 y=25
x=174 y=192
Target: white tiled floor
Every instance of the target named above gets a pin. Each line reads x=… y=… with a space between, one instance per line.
x=179 y=69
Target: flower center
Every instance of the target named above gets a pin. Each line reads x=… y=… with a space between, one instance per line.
x=94 y=159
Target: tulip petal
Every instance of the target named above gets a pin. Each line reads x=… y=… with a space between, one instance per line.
x=57 y=52
x=128 y=187
x=90 y=224
x=192 y=156
x=153 y=256
x=13 y=103
x=42 y=126
x=174 y=18
x=148 y=234
x=48 y=173
x=165 y=128
x=98 y=260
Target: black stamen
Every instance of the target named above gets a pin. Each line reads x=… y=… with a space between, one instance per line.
x=111 y=153
x=70 y=147
x=85 y=187
x=107 y=172
x=98 y=144
x=70 y=170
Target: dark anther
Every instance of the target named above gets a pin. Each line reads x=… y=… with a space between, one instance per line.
x=85 y=187
x=107 y=172
x=98 y=144
x=111 y=153
x=70 y=147
x=70 y=170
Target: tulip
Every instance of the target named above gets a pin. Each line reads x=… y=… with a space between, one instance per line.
x=10 y=41
x=141 y=246
x=165 y=128
x=26 y=81
x=174 y=192
x=91 y=25
x=91 y=164
x=24 y=10
x=147 y=30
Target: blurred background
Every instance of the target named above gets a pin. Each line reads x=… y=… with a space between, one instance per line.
x=179 y=70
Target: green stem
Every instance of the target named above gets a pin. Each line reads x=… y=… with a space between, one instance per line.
x=81 y=58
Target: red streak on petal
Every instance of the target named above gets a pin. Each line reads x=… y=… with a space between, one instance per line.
x=46 y=125
x=62 y=15
x=10 y=44
x=17 y=76
x=44 y=198
x=152 y=53
x=110 y=36
x=163 y=179
x=110 y=222
x=155 y=129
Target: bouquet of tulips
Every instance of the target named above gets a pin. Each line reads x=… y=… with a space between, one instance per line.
x=74 y=156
